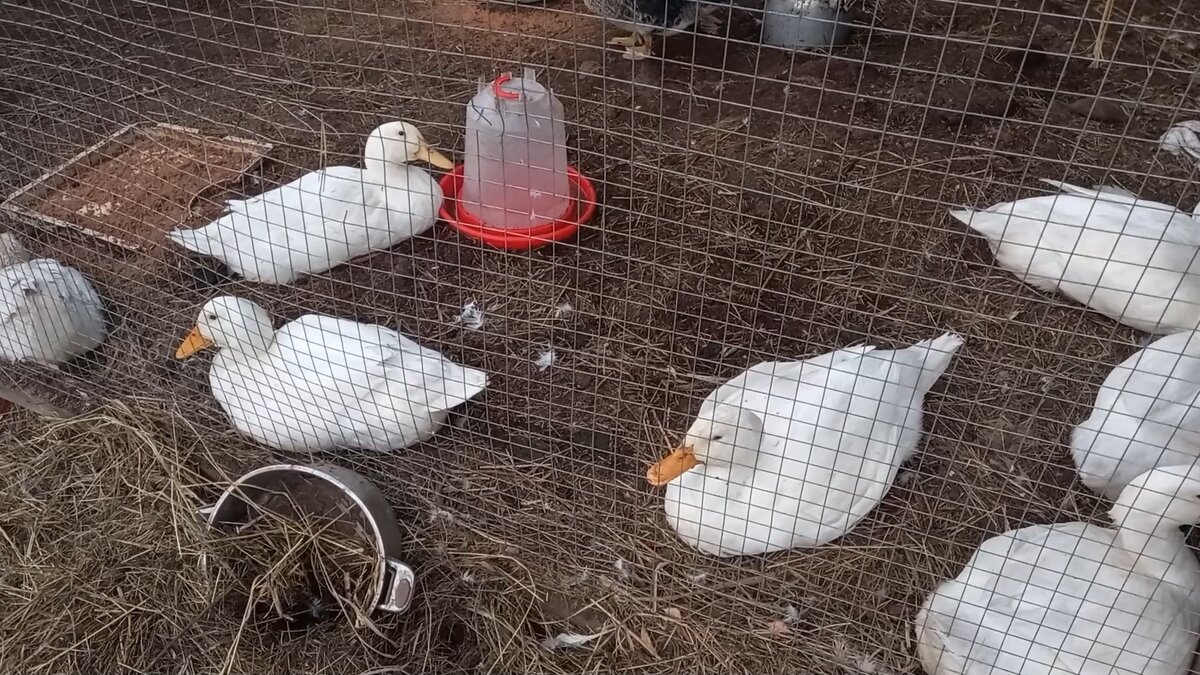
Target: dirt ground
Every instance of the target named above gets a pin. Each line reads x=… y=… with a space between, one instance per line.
x=755 y=204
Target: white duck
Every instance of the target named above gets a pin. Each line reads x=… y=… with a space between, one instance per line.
x=794 y=454
x=1077 y=598
x=48 y=311
x=330 y=216
x=1133 y=260
x=1145 y=416
x=321 y=383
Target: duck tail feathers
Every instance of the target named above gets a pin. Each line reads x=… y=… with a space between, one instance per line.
x=1067 y=187
x=196 y=241
x=933 y=357
x=1104 y=192
x=461 y=385
x=964 y=216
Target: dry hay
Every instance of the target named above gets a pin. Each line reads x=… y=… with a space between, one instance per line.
x=292 y=565
x=99 y=551
x=100 y=573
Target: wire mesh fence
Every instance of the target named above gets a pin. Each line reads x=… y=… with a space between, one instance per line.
x=755 y=204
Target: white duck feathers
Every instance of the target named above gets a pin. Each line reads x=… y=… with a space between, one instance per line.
x=1053 y=599
x=320 y=382
x=48 y=312
x=317 y=222
x=360 y=359
x=1075 y=597
x=1133 y=260
x=1144 y=416
x=834 y=431
x=330 y=216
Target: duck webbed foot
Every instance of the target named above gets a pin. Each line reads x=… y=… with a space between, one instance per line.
x=637 y=46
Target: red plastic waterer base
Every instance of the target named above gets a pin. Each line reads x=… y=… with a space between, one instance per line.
x=583 y=206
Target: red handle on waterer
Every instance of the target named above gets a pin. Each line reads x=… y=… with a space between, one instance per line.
x=500 y=92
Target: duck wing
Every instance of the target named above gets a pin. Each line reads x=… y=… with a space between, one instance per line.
x=1144 y=416
x=1156 y=214
x=1132 y=260
x=359 y=362
x=868 y=410
x=835 y=430
x=983 y=619
x=1054 y=599
x=303 y=226
x=49 y=310
x=771 y=387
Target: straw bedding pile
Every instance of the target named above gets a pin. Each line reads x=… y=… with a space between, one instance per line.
x=99 y=552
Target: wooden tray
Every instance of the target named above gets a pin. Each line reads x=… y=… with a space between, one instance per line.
x=49 y=200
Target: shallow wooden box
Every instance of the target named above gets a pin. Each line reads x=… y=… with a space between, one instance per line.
x=37 y=203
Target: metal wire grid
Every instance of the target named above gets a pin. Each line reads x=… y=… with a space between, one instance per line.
x=734 y=228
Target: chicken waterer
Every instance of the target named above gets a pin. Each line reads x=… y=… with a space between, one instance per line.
x=515 y=189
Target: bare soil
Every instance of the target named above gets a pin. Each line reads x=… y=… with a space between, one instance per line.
x=755 y=204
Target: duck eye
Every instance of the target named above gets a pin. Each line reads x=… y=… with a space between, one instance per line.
x=718 y=437
x=212 y=317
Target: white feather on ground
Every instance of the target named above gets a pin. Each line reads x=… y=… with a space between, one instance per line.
x=1182 y=139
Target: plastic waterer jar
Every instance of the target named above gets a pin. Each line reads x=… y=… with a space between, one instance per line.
x=515 y=172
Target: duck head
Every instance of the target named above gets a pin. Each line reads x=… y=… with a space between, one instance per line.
x=229 y=322
x=400 y=143
x=1166 y=497
x=728 y=438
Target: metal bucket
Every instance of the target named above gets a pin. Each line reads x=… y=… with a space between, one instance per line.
x=796 y=24
x=395 y=581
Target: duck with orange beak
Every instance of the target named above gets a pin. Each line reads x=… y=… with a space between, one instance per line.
x=795 y=454
x=331 y=216
x=322 y=383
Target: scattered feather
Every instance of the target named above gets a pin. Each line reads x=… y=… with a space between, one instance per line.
x=544 y=360
x=778 y=628
x=852 y=662
x=673 y=612
x=471 y=316
x=1182 y=139
x=562 y=309
x=568 y=641
x=791 y=615
x=841 y=654
x=468 y=577
x=696 y=577
x=622 y=568
x=440 y=516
